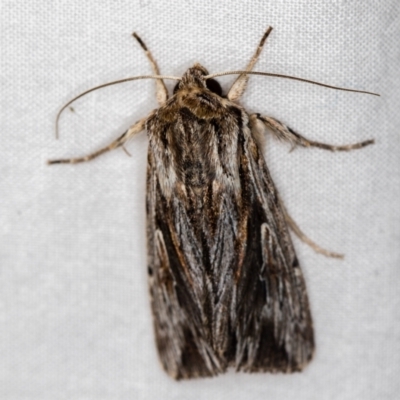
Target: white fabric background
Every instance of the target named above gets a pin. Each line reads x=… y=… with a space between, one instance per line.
x=74 y=313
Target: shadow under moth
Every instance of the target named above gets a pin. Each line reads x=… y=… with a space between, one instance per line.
x=225 y=283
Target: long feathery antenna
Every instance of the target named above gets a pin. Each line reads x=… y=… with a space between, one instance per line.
x=288 y=77
x=134 y=78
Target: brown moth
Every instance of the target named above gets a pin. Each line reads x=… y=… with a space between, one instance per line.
x=226 y=286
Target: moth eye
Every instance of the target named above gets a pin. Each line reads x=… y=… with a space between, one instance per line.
x=214 y=86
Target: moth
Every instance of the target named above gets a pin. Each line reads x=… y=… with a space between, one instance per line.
x=226 y=286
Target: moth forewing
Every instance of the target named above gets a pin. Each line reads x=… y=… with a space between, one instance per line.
x=226 y=286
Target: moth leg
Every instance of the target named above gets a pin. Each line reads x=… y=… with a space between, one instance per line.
x=283 y=132
x=239 y=86
x=126 y=151
x=132 y=131
x=161 y=90
x=299 y=233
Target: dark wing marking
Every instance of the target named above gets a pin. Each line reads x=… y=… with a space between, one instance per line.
x=277 y=335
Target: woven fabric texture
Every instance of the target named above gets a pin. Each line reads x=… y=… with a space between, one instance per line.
x=75 y=321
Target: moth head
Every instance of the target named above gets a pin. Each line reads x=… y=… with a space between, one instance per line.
x=194 y=76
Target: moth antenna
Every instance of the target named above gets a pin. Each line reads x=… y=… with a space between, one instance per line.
x=133 y=78
x=288 y=77
x=162 y=92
